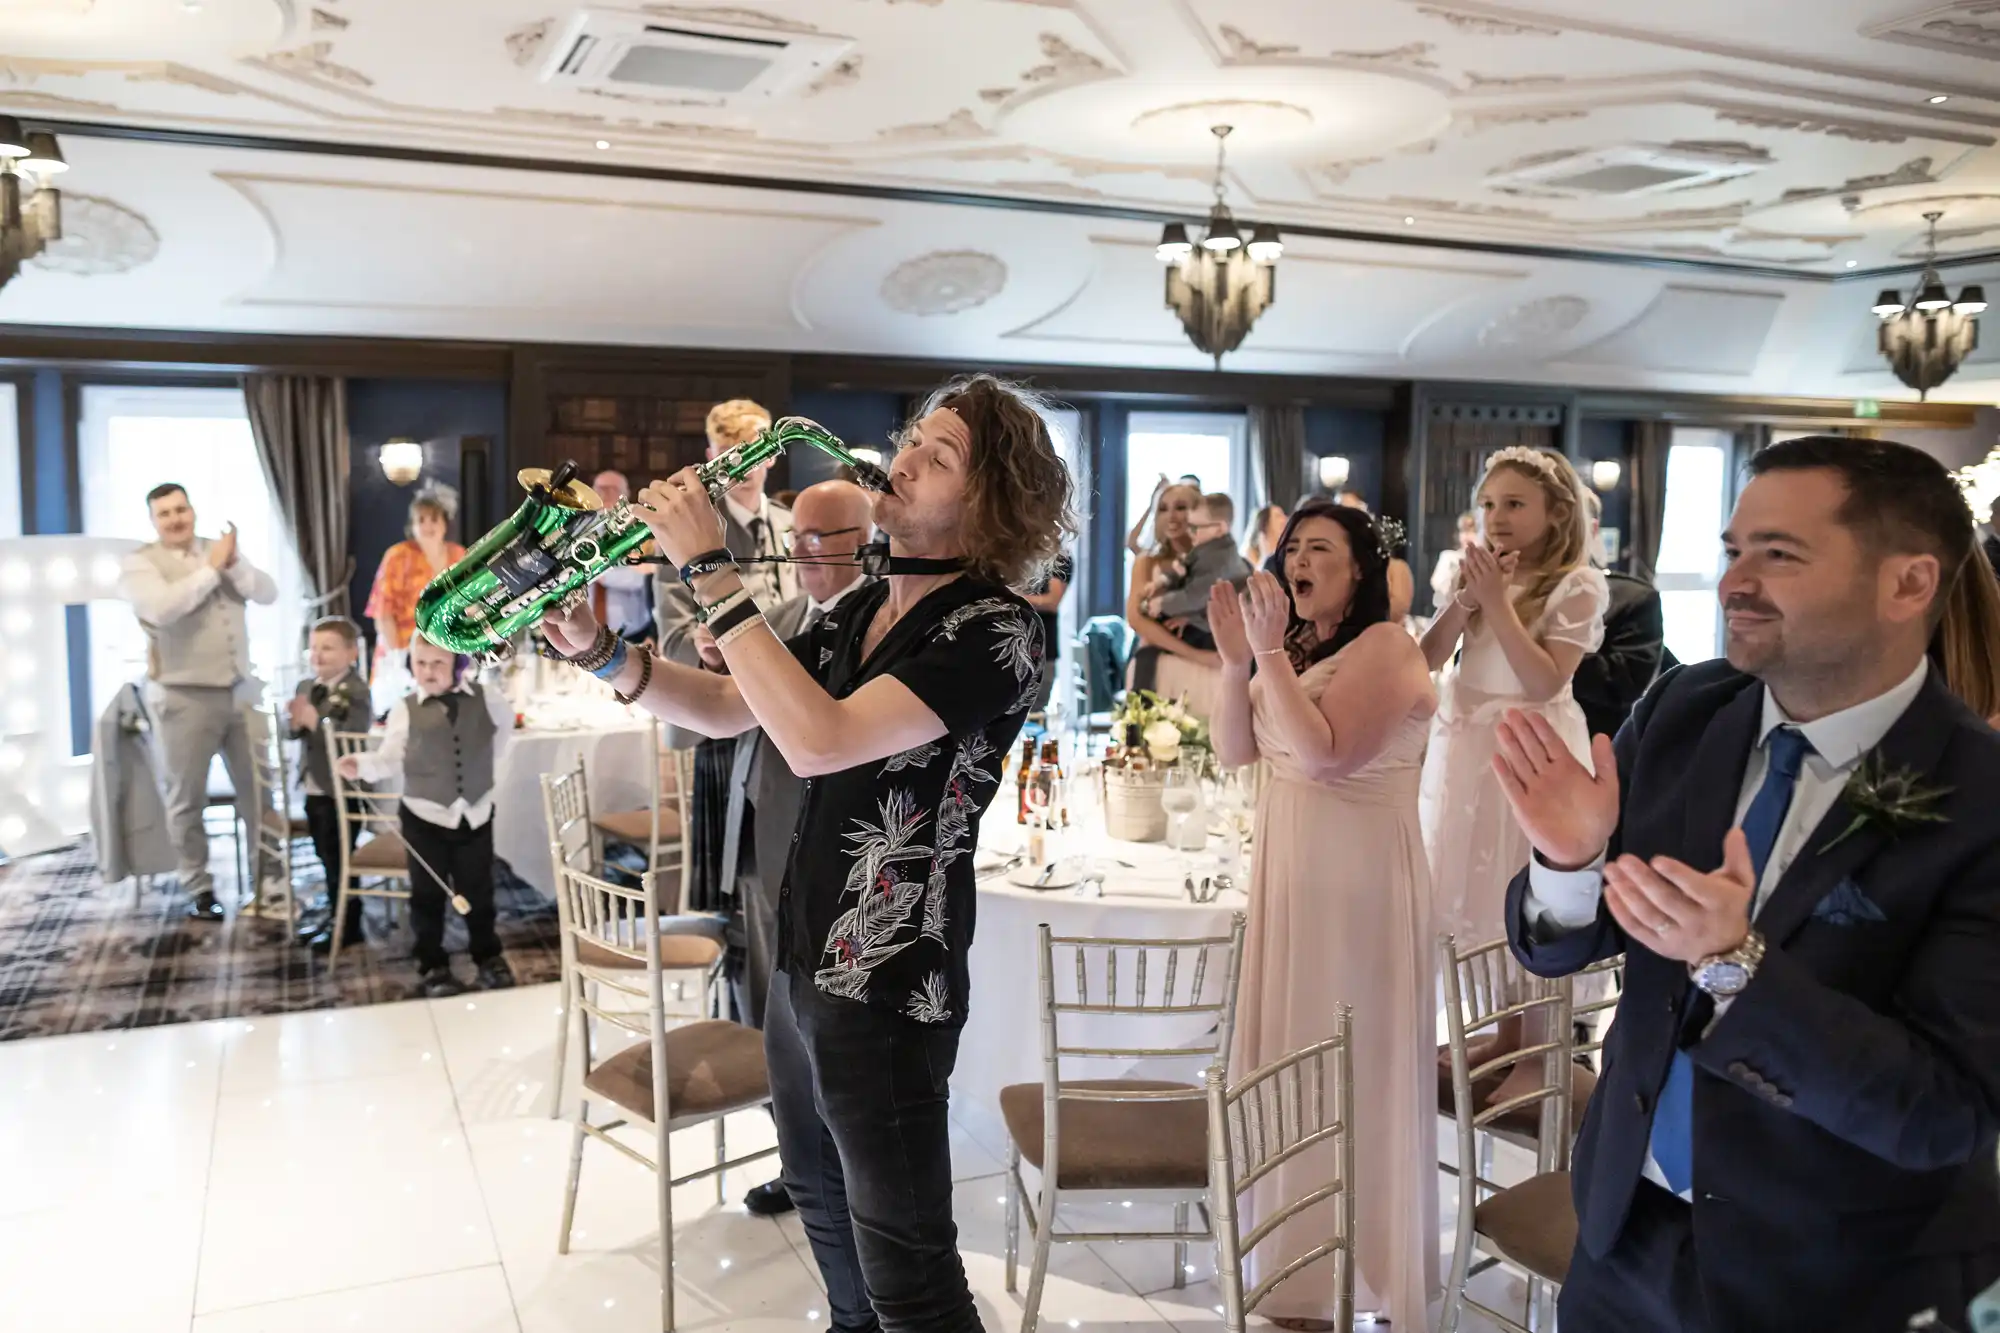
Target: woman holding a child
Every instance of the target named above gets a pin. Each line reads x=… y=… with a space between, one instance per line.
x=1176 y=656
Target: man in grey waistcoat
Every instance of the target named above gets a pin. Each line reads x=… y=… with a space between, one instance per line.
x=189 y=593
x=830 y=522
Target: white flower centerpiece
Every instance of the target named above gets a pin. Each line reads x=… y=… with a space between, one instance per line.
x=1171 y=737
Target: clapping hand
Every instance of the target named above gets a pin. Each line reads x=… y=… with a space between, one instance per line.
x=682 y=517
x=1676 y=910
x=304 y=716
x=222 y=551
x=1485 y=575
x=1225 y=622
x=1267 y=612
x=1568 y=812
x=349 y=766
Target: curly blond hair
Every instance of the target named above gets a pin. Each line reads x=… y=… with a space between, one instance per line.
x=1017 y=489
x=735 y=422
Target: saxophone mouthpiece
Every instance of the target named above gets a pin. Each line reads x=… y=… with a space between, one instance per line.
x=560 y=479
x=870 y=477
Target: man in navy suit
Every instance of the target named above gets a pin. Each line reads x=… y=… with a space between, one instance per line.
x=1796 y=1124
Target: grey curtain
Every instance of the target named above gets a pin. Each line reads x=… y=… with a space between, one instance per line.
x=300 y=423
x=1651 y=442
x=1278 y=434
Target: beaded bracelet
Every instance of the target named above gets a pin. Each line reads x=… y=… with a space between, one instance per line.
x=613 y=664
x=645 y=679
x=589 y=659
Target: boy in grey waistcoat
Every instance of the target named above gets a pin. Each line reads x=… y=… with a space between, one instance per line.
x=336 y=693
x=446 y=741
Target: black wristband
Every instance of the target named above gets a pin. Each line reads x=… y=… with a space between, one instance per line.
x=733 y=617
x=706 y=563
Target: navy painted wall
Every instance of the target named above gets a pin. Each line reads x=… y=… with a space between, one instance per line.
x=860 y=418
x=1359 y=436
x=1603 y=438
x=440 y=410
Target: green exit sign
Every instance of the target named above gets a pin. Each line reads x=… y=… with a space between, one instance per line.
x=1867 y=407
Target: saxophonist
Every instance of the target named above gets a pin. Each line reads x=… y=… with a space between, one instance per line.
x=896 y=709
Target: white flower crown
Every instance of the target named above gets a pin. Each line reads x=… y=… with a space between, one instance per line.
x=1534 y=458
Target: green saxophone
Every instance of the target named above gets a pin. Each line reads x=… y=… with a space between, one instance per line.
x=542 y=557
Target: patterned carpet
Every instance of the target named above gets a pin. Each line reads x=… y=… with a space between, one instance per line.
x=77 y=955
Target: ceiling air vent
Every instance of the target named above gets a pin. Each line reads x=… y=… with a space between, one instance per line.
x=1629 y=170
x=609 y=50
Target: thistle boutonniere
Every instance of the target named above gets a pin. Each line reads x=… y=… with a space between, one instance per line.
x=1895 y=800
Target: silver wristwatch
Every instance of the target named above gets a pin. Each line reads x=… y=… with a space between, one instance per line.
x=1725 y=974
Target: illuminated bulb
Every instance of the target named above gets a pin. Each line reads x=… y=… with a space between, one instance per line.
x=17 y=622
x=11 y=758
x=60 y=572
x=21 y=668
x=13 y=828
x=104 y=571
x=23 y=716
x=15 y=576
x=1939 y=100
x=603 y=144
x=77 y=792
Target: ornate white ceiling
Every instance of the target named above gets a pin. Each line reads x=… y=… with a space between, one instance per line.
x=1453 y=121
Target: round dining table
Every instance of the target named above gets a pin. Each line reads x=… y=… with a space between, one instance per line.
x=1144 y=897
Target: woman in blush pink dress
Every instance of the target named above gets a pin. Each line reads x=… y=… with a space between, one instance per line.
x=1340 y=896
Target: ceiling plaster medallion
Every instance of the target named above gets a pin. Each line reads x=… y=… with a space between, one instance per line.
x=525 y=42
x=1482 y=26
x=99 y=237
x=944 y=282
x=1262 y=118
x=1534 y=322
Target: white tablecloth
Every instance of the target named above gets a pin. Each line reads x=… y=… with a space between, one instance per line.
x=620 y=765
x=1002 y=1042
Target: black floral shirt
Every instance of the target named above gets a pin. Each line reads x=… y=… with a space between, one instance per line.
x=878 y=895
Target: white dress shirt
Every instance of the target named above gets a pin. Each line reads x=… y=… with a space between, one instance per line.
x=1562 y=901
x=628 y=602
x=161 y=601
x=386 y=761
x=816 y=610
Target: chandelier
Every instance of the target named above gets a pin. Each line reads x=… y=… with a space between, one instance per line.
x=1220 y=285
x=30 y=205
x=1927 y=339
x=1981 y=483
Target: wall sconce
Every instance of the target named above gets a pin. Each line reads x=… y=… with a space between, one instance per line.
x=1604 y=474
x=402 y=461
x=1333 y=470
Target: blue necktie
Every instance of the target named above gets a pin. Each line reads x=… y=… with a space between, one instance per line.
x=1673 y=1119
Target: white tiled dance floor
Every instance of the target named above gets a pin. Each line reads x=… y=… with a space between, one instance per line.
x=394 y=1169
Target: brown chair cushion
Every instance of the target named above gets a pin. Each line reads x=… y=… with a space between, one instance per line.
x=676 y=951
x=712 y=1066
x=1532 y=1224
x=1523 y=1120
x=636 y=826
x=381 y=854
x=1116 y=1145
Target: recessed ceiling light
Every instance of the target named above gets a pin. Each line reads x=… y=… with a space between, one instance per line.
x=1939 y=98
x=1852 y=262
x=603 y=143
x=1409 y=222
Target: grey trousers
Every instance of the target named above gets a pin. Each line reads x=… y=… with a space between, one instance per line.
x=193 y=723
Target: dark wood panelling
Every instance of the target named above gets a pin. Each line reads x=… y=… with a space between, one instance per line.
x=640 y=412
x=1691 y=409
x=157 y=352
x=1157 y=389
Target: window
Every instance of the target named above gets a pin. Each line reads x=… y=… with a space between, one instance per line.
x=1690 y=563
x=10 y=461
x=131 y=440
x=1066 y=433
x=1212 y=446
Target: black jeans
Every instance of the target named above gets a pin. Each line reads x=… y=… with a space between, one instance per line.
x=860 y=1097
x=464 y=856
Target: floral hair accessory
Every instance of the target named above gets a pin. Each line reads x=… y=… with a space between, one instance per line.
x=1534 y=458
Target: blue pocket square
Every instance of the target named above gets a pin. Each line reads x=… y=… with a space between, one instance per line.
x=1846 y=905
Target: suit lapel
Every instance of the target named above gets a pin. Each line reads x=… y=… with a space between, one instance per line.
x=1717 y=776
x=1916 y=742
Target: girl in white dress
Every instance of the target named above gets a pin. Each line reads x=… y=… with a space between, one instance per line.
x=1526 y=609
